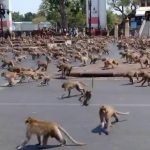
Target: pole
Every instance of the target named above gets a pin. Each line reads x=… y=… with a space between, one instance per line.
x=90 y=16
x=2 y=28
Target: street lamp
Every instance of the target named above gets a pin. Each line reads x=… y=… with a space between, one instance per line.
x=3 y=11
x=90 y=15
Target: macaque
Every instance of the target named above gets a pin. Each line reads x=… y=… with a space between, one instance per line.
x=106 y=112
x=65 y=69
x=85 y=98
x=8 y=63
x=72 y=84
x=45 y=129
x=109 y=62
x=10 y=77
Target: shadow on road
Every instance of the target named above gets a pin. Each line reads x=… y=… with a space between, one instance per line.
x=65 y=97
x=101 y=130
x=36 y=147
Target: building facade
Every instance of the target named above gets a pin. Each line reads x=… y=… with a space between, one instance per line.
x=145 y=3
x=7 y=21
x=98 y=14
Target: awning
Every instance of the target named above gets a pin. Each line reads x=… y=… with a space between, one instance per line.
x=141 y=11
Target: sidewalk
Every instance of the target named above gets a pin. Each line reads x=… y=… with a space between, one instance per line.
x=96 y=70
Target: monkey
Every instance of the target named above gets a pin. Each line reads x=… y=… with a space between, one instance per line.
x=20 y=58
x=10 y=77
x=93 y=59
x=43 y=64
x=19 y=69
x=71 y=84
x=85 y=98
x=109 y=62
x=45 y=79
x=145 y=78
x=27 y=73
x=65 y=68
x=106 y=112
x=8 y=63
x=45 y=129
x=131 y=74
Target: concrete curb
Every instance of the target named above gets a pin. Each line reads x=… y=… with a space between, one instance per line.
x=110 y=74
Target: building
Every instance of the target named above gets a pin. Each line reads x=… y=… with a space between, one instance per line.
x=7 y=21
x=145 y=3
x=98 y=14
x=27 y=26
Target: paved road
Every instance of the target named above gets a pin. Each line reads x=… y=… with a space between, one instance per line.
x=132 y=133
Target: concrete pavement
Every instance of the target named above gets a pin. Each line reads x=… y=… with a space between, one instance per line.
x=132 y=132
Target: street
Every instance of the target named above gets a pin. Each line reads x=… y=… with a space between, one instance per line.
x=82 y=123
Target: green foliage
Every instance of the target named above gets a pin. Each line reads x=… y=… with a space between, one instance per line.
x=111 y=19
x=73 y=9
x=16 y=16
x=124 y=6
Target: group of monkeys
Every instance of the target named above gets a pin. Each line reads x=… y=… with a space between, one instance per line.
x=45 y=129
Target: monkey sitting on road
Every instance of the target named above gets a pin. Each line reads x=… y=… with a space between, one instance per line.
x=106 y=112
x=10 y=77
x=45 y=130
x=85 y=98
x=8 y=63
x=72 y=84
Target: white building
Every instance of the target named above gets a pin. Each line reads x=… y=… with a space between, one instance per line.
x=98 y=14
x=7 y=21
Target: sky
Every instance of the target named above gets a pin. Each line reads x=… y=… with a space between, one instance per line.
x=24 y=6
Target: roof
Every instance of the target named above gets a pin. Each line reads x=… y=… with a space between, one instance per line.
x=141 y=11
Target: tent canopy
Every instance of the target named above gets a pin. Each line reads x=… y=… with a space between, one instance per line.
x=141 y=11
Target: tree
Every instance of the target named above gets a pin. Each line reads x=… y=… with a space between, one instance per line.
x=111 y=19
x=29 y=16
x=63 y=11
x=124 y=6
x=16 y=16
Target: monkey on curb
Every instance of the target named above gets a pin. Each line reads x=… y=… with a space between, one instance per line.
x=65 y=68
x=109 y=62
x=131 y=75
x=45 y=130
x=106 y=112
x=74 y=84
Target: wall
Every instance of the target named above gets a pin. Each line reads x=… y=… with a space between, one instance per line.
x=98 y=11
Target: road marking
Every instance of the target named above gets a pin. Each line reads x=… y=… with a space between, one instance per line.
x=73 y=104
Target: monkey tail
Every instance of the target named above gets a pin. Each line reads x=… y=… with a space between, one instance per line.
x=69 y=137
x=122 y=113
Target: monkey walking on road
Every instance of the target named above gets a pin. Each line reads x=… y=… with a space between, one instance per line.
x=45 y=130
x=106 y=112
x=74 y=84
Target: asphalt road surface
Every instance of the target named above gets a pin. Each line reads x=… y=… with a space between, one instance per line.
x=82 y=123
